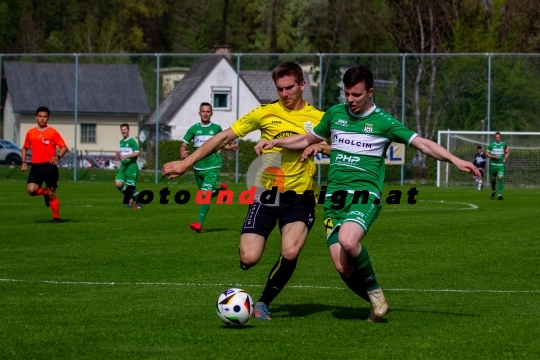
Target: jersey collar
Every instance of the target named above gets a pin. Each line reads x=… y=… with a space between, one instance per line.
x=373 y=107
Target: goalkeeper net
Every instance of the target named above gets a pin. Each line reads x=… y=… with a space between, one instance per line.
x=522 y=167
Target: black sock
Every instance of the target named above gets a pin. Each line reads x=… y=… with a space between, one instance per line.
x=357 y=284
x=277 y=279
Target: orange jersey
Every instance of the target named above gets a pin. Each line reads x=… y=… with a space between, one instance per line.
x=43 y=143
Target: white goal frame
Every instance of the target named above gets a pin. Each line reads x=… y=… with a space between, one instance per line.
x=489 y=138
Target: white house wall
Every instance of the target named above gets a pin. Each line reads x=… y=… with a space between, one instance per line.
x=223 y=76
x=10 y=122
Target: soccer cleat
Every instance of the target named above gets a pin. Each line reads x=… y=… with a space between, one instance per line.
x=261 y=312
x=130 y=204
x=379 y=305
x=499 y=197
x=56 y=221
x=196 y=226
x=492 y=195
x=223 y=187
x=47 y=204
x=137 y=206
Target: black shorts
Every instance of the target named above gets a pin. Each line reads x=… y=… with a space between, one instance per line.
x=481 y=172
x=44 y=172
x=261 y=219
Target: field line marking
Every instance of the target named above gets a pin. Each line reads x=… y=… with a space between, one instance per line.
x=252 y=285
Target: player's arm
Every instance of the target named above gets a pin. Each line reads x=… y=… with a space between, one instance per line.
x=24 y=151
x=295 y=142
x=436 y=151
x=183 y=150
x=231 y=146
x=506 y=153
x=174 y=169
x=315 y=149
x=56 y=158
x=489 y=155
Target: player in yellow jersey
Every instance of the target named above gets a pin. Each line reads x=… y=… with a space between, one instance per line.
x=287 y=116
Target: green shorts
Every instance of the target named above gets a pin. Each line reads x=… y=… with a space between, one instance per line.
x=128 y=173
x=497 y=170
x=361 y=214
x=207 y=179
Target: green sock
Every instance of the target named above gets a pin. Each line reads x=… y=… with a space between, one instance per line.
x=365 y=269
x=135 y=195
x=500 y=185
x=203 y=210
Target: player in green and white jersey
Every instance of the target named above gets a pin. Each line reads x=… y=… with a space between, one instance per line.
x=498 y=152
x=126 y=176
x=360 y=133
x=206 y=170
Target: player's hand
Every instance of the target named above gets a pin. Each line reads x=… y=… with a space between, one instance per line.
x=234 y=146
x=54 y=160
x=24 y=167
x=466 y=166
x=311 y=150
x=184 y=154
x=263 y=145
x=174 y=169
x=117 y=156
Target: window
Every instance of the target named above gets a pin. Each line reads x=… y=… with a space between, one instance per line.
x=221 y=98
x=88 y=133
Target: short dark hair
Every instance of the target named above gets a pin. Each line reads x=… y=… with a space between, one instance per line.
x=205 y=104
x=288 y=68
x=358 y=74
x=497 y=133
x=124 y=124
x=43 y=109
x=478 y=147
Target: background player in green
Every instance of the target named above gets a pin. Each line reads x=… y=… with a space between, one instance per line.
x=498 y=152
x=206 y=170
x=126 y=176
x=360 y=133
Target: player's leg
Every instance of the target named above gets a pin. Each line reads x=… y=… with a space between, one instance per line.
x=120 y=183
x=35 y=180
x=493 y=182
x=481 y=180
x=500 y=182
x=51 y=181
x=206 y=180
x=132 y=173
x=343 y=264
x=295 y=221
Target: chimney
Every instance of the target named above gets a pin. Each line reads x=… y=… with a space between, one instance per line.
x=224 y=50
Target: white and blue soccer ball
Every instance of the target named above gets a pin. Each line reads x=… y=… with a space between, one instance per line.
x=234 y=306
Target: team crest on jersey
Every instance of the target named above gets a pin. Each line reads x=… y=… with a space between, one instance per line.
x=341 y=122
x=211 y=132
x=308 y=125
x=368 y=127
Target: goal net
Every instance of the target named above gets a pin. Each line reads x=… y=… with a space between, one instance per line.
x=522 y=167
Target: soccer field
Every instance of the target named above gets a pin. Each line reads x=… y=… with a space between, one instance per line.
x=460 y=272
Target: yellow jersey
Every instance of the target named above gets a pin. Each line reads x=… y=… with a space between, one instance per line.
x=276 y=121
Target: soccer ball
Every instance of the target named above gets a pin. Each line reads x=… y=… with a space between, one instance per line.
x=234 y=306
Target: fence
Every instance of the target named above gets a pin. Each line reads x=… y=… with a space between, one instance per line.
x=427 y=92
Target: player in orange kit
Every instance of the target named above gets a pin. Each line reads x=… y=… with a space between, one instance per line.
x=43 y=140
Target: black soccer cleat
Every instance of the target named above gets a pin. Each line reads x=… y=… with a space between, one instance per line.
x=499 y=197
x=493 y=195
x=56 y=221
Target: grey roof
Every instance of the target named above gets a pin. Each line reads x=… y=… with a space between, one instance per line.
x=182 y=91
x=260 y=82
x=103 y=89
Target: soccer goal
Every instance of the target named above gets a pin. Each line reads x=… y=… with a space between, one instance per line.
x=522 y=168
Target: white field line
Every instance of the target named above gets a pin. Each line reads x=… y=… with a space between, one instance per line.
x=97 y=283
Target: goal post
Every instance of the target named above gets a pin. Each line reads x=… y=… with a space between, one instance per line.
x=522 y=168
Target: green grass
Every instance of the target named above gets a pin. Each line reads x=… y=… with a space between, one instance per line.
x=111 y=282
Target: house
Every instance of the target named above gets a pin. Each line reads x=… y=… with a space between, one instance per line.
x=213 y=79
x=108 y=95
